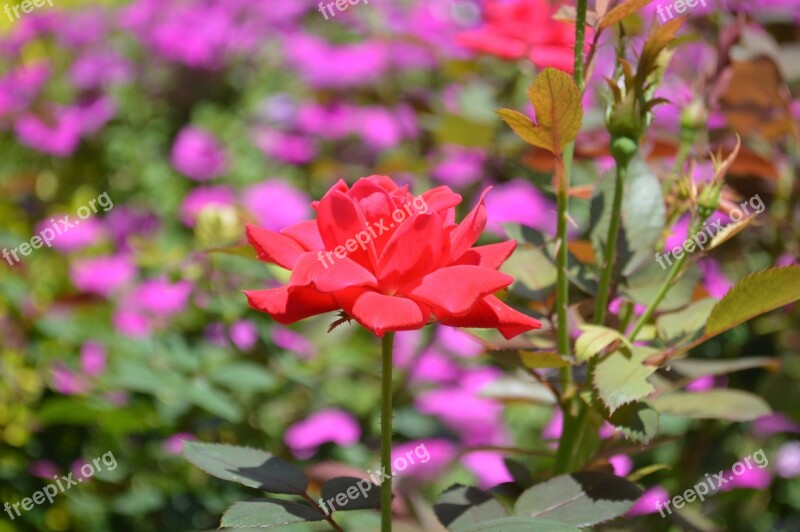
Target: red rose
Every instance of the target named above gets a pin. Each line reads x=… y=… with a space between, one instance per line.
x=524 y=28
x=391 y=261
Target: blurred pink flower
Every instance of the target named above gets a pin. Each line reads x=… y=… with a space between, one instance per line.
x=458 y=166
x=102 y=275
x=276 y=204
x=174 y=444
x=43 y=469
x=716 y=284
x=755 y=478
x=519 y=201
x=775 y=423
x=440 y=455
x=488 y=467
x=289 y=148
x=621 y=463
x=244 y=334
x=67 y=382
x=204 y=197
x=329 y=425
x=648 y=502
x=132 y=323
x=93 y=359
x=554 y=427
x=198 y=155
x=457 y=341
x=787 y=460
x=432 y=366
x=292 y=341
x=83 y=233
x=160 y=297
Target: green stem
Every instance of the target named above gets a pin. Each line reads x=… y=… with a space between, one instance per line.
x=387 y=346
x=571 y=428
x=609 y=255
x=673 y=274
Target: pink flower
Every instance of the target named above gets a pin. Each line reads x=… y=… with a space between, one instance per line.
x=787 y=460
x=289 y=340
x=81 y=234
x=776 y=423
x=67 y=382
x=519 y=202
x=329 y=425
x=244 y=334
x=102 y=275
x=174 y=444
x=203 y=198
x=159 y=297
x=621 y=463
x=650 y=501
x=432 y=366
x=198 y=155
x=431 y=458
x=93 y=359
x=276 y=204
x=488 y=467
x=754 y=478
x=457 y=341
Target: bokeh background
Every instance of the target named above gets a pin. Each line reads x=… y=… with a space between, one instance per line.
x=131 y=334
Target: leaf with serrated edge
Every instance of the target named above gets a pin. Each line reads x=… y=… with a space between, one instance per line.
x=594 y=339
x=268 y=513
x=580 y=499
x=754 y=295
x=520 y=524
x=621 y=11
x=526 y=129
x=557 y=101
x=333 y=487
x=637 y=421
x=461 y=507
x=621 y=379
x=252 y=467
x=731 y=405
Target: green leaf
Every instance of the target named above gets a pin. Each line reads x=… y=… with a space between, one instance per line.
x=461 y=507
x=731 y=405
x=643 y=286
x=686 y=321
x=357 y=494
x=518 y=388
x=621 y=379
x=531 y=267
x=559 y=112
x=596 y=338
x=580 y=499
x=251 y=467
x=637 y=421
x=268 y=513
x=245 y=377
x=543 y=359
x=754 y=295
x=701 y=368
x=201 y=393
x=520 y=524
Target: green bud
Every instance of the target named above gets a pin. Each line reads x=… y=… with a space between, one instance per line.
x=623 y=149
x=708 y=201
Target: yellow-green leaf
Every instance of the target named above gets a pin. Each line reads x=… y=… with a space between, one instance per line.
x=621 y=378
x=621 y=11
x=542 y=359
x=754 y=295
x=659 y=39
x=557 y=101
x=526 y=129
x=559 y=113
x=594 y=339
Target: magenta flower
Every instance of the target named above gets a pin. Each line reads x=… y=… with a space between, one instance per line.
x=329 y=425
x=519 y=202
x=174 y=444
x=432 y=457
x=787 y=460
x=457 y=342
x=202 y=198
x=244 y=334
x=296 y=343
x=102 y=275
x=488 y=467
x=82 y=234
x=648 y=503
x=198 y=155
x=276 y=204
x=93 y=359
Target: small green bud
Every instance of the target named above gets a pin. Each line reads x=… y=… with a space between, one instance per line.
x=623 y=149
x=708 y=201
